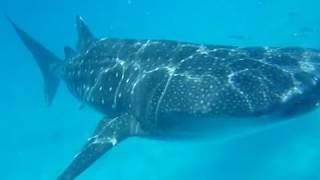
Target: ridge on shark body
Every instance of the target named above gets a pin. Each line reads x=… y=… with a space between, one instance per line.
x=168 y=89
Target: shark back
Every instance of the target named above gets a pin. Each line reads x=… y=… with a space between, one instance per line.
x=163 y=77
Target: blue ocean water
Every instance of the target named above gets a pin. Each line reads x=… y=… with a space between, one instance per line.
x=38 y=142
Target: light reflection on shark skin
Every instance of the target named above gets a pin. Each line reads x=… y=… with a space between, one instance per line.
x=166 y=89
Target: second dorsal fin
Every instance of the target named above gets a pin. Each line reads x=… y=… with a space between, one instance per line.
x=85 y=37
x=69 y=52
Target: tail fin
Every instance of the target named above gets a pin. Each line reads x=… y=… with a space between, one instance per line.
x=48 y=62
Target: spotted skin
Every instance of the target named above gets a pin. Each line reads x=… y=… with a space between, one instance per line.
x=170 y=87
x=152 y=79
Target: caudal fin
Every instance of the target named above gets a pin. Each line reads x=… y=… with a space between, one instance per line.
x=48 y=63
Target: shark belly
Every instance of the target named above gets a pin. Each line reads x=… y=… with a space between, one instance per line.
x=179 y=126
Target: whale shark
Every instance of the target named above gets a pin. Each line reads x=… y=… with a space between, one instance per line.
x=170 y=89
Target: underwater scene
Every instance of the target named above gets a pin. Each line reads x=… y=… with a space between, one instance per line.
x=115 y=89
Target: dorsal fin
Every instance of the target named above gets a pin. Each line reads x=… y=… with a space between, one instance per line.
x=85 y=37
x=69 y=52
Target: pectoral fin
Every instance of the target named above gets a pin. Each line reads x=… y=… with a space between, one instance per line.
x=107 y=134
